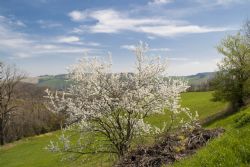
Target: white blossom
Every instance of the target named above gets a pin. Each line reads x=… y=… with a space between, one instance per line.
x=115 y=105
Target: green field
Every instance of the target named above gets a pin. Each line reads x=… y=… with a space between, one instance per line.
x=55 y=82
x=230 y=150
x=30 y=152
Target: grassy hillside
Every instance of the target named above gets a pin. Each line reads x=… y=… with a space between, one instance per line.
x=56 y=82
x=30 y=152
x=195 y=101
x=230 y=150
x=199 y=78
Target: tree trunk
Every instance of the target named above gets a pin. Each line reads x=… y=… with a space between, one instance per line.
x=1 y=135
x=241 y=96
x=240 y=102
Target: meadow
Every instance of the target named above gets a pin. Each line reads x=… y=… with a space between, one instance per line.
x=30 y=152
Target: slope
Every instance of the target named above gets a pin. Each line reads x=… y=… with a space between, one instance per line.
x=30 y=152
x=230 y=150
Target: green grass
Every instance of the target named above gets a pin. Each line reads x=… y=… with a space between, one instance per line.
x=55 y=83
x=195 y=101
x=30 y=152
x=230 y=150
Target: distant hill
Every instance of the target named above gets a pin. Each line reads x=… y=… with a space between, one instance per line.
x=54 y=81
x=60 y=81
x=199 y=78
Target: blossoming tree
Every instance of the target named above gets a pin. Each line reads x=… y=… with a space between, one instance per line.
x=108 y=110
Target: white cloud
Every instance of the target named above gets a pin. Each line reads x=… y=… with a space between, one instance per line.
x=177 y=59
x=75 y=40
x=48 y=24
x=77 y=15
x=128 y=47
x=160 y=49
x=174 y=30
x=132 y=48
x=21 y=45
x=68 y=39
x=159 y=2
x=20 y=23
x=112 y=21
x=151 y=37
x=12 y=21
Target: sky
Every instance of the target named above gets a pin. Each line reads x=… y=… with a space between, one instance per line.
x=44 y=37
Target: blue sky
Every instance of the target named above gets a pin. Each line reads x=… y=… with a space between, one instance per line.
x=46 y=36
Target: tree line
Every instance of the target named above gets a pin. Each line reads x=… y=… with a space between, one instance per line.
x=22 y=107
